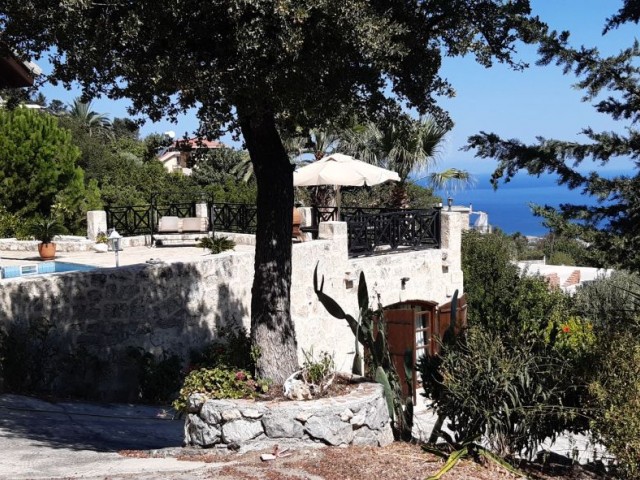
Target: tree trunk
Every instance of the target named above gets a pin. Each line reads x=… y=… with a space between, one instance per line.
x=272 y=330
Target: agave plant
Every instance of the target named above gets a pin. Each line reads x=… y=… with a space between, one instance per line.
x=45 y=229
x=369 y=331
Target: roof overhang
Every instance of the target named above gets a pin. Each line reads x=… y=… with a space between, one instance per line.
x=15 y=73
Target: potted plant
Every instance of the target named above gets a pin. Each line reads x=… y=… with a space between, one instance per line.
x=45 y=230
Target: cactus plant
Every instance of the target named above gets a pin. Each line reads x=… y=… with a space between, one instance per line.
x=369 y=331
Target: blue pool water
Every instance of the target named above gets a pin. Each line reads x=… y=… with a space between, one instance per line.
x=43 y=268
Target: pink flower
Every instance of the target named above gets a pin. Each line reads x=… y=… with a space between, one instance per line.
x=566 y=329
x=241 y=376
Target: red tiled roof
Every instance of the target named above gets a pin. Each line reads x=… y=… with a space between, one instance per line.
x=197 y=143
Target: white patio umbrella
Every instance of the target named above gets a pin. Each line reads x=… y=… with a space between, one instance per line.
x=342 y=170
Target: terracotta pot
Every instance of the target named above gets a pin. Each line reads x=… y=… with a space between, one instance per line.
x=47 y=251
x=297 y=220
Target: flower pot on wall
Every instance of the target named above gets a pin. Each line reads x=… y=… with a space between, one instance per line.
x=47 y=251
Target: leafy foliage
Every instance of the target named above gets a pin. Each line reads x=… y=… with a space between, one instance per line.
x=217 y=382
x=318 y=372
x=369 y=330
x=514 y=392
x=232 y=348
x=38 y=161
x=216 y=244
x=159 y=379
x=518 y=376
x=255 y=66
x=46 y=229
x=616 y=402
x=614 y=223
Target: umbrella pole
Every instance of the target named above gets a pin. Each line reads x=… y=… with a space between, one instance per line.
x=338 y=199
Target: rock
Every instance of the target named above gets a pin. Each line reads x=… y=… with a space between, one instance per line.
x=330 y=429
x=210 y=413
x=303 y=416
x=346 y=415
x=100 y=248
x=239 y=431
x=358 y=420
x=251 y=413
x=297 y=390
x=199 y=433
x=377 y=415
x=375 y=438
x=278 y=424
x=230 y=415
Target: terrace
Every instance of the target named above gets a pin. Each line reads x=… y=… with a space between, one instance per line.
x=169 y=300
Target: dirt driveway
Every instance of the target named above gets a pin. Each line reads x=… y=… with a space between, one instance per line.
x=69 y=440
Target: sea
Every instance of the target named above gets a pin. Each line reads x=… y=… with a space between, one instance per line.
x=508 y=207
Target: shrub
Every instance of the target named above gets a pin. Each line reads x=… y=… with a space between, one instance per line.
x=616 y=403
x=231 y=349
x=216 y=244
x=218 y=382
x=318 y=372
x=611 y=304
x=509 y=390
x=561 y=258
x=158 y=378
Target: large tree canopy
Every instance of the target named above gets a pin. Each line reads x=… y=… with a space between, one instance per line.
x=259 y=65
x=614 y=223
x=37 y=162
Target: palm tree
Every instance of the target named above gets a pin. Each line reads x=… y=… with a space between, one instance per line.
x=243 y=170
x=451 y=179
x=94 y=122
x=405 y=146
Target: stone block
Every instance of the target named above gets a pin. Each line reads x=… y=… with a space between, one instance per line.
x=281 y=424
x=329 y=429
x=208 y=411
x=199 y=433
x=240 y=431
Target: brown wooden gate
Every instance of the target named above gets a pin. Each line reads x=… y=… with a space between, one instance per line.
x=415 y=328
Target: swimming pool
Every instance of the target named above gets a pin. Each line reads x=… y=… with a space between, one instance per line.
x=43 y=269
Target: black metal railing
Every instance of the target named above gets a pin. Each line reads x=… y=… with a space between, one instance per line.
x=369 y=233
x=370 y=230
x=143 y=219
x=130 y=220
x=233 y=217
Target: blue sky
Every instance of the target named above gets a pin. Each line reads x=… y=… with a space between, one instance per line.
x=538 y=101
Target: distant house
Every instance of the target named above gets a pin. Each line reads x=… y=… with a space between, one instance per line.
x=177 y=158
x=14 y=73
x=566 y=278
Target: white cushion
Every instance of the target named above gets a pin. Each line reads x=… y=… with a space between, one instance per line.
x=194 y=224
x=169 y=224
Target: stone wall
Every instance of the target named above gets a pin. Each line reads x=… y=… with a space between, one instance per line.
x=94 y=318
x=358 y=418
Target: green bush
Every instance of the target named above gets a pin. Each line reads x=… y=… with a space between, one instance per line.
x=159 y=379
x=510 y=390
x=11 y=224
x=218 y=382
x=231 y=349
x=612 y=306
x=216 y=244
x=616 y=402
x=561 y=258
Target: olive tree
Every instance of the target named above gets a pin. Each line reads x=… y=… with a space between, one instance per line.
x=260 y=68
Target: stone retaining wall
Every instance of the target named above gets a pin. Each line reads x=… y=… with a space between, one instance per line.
x=358 y=418
x=94 y=318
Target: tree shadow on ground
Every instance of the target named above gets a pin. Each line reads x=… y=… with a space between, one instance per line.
x=71 y=336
